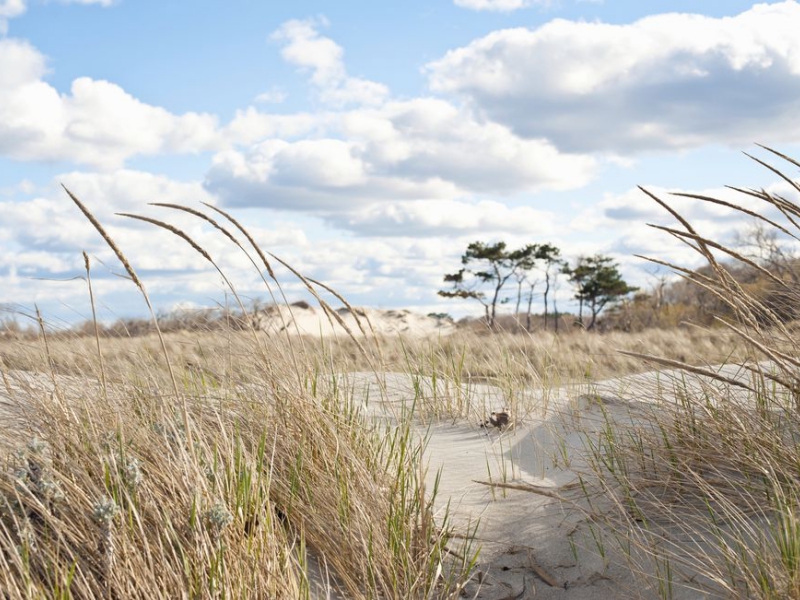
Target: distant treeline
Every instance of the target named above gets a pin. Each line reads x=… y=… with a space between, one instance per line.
x=772 y=275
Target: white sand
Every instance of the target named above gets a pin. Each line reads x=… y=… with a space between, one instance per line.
x=528 y=538
x=308 y=320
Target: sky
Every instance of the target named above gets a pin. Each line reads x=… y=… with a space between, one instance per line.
x=367 y=144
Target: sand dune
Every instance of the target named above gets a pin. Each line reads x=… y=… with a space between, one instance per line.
x=533 y=519
x=301 y=319
x=521 y=487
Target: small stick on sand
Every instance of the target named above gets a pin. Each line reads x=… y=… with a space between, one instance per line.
x=521 y=594
x=541 y=573
x=523 y=487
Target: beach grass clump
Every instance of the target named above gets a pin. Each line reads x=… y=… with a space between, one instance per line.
x=701 y=489
x=170 y=469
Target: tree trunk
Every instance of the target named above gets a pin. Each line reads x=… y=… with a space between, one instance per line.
x=528 y=315
x=494 y=306
x=595 y=311
x=519 y=300
x=546 y=291
x=500 y=282
x=555 y=312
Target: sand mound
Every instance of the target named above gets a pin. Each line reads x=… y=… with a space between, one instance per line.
x=302 y=319
x=520 y=489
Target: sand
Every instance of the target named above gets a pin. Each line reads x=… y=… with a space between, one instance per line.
x=533 y=543
x=302 y=319
x=533 y=525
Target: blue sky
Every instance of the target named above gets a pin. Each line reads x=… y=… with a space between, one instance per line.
x=369 y=143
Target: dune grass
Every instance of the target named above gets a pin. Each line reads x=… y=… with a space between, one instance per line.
x=209 y=468
x=702 y=492
x=229 y=463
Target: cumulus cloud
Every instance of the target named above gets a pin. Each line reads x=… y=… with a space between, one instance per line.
x=668 y=81
x=96 y=123
x=8 y=10
x=444 y=217
x=628 y=214
x=251 y=125
x=381 y=150
x=52 y=222
x=325 y=174
x=43 y=237
x=303 y=46
x=418 y=149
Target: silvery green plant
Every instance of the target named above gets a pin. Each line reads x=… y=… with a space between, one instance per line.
x=217 y=518
x=34 y=473
x=132 y=472
x=174 y=433
x=103 y=513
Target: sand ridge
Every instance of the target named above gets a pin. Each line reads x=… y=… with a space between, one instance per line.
x=520 y=486
x=302 y=319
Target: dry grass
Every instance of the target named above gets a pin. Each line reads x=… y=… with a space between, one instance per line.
x=527 y=358
x=277 y=474
x=704 y=487
x=208 y=466
x=231 y=464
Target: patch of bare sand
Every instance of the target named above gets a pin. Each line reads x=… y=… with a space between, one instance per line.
x=302 y=319
x=522 y=488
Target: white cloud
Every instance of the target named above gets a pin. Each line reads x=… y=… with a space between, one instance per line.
x=44 y=237
x=274 y=95
x=325 y=174
x=97 y=123
x=419 y=149
x=22 y=65
x=303 y=46
x=493 y=5
x=51 y=221
x=125 y=190
x=444 y=217
x=8 y=10
x=251 y=125
x=629 y=213
x=667 y=81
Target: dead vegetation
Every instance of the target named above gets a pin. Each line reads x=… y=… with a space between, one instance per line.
x=221 y=461
x=215 y=465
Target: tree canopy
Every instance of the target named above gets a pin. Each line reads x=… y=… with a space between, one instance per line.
x=485 y=270
x=598 y=282
x=487 y=267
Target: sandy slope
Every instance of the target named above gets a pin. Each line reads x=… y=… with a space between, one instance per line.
x=300 y=318
x=532 y=544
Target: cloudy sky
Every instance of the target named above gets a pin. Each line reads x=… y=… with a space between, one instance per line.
x=369 y=143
